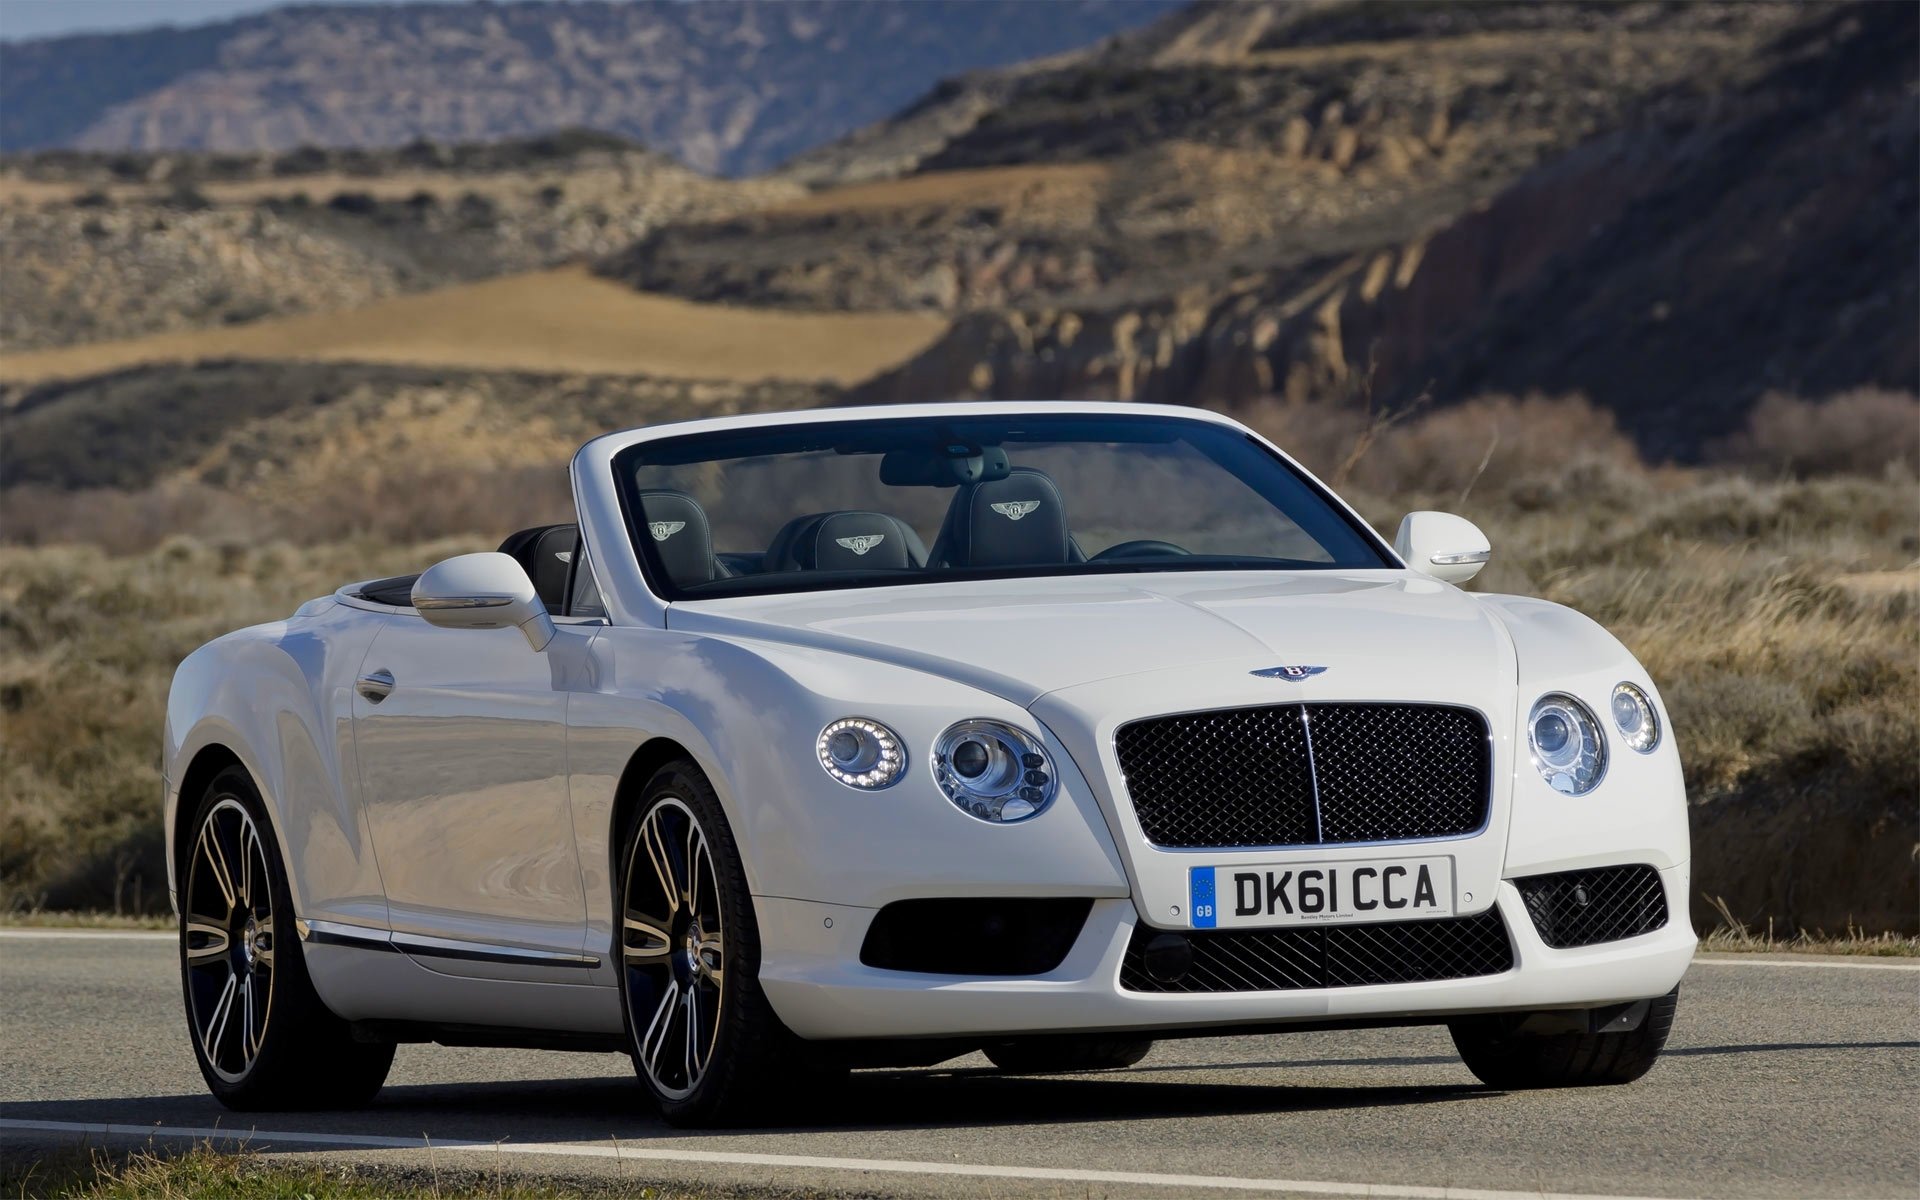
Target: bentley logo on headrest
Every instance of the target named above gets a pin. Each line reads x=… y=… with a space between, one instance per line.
x=1295 y=673
x=863 y=543
x=1013 y=510
x=662 y=530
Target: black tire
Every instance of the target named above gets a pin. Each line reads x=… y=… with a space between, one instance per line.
x=687 y=929
x=238 y=947
x=1504 y=1058
x=1073 y=1052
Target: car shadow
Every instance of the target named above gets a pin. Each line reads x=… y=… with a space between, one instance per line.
x=614 y=1106
x=591 y=1109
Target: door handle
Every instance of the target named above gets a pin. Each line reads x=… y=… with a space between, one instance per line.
x=376 y=686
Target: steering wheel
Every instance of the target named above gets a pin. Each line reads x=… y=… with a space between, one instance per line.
x=1145 y=548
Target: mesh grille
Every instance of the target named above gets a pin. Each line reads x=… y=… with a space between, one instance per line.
x=1246 y=776
x=1582 y=908
x=1329 y=956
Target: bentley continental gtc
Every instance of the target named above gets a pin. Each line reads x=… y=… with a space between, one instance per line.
x=877 y=737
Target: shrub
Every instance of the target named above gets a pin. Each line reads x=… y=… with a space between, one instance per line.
x=1867 y=431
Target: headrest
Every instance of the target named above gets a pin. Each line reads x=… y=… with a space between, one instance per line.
x=1012 y=522
x=547 y=552
x=677 y=527
x=856 y=541
x=845 y=541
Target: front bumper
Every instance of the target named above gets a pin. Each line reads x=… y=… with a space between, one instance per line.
x=812 y=974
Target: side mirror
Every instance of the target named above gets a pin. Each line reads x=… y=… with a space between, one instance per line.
x=1447 y=547
x=483 y=591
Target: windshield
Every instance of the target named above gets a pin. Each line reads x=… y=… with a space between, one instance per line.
x=874 y=503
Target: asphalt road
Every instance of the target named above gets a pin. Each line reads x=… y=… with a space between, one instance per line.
x=1794 y=1080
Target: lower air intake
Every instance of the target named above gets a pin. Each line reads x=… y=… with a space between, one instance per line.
x=974 y=937
x=1585 y=908
x=1328 y=956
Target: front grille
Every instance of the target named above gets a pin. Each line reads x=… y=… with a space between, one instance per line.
x=1327 y=956
x=1584 y=908
x=1308 y=774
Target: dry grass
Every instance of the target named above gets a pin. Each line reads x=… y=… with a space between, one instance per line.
x=562 y=320
x=1732 y=936
x=209 y=1172
x=1781 y=618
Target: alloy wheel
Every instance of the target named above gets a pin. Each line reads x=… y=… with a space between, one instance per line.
x=229 y=940
x=673 y=948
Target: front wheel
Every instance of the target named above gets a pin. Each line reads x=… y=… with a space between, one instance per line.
x=262 y=1035
x=1502 y=1054
x=704 y=1040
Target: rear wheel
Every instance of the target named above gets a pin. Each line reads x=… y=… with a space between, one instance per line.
x=1502 y=1055
x=704 y=1040
x=1077 y=1052
x=261 y=1035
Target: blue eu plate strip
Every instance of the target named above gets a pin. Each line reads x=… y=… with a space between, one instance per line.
x=1200 y=897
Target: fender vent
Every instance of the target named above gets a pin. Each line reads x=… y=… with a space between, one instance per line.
x=1585 y=908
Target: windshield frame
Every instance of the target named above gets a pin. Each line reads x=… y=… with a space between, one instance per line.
x=626 y=487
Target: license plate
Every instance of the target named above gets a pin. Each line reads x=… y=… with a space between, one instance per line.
x=1386 y=889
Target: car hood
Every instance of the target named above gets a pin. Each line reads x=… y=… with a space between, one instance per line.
x=1376 y=632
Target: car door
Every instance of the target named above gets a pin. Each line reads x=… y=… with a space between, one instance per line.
x=462 y=740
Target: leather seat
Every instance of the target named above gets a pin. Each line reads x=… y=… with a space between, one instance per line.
x=845 y=541
x=547 y=553
x=1016 y=521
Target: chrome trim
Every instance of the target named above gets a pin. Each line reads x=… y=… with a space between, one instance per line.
x=364 y=937
x=437 y=947
x=1461 y=559
x=439 y=603
x=339 y=933
x=1313 y=778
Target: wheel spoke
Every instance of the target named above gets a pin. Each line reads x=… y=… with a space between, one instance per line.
x=212 y=944
x=693 y=1032
x=216 y=860
x=251 y=852
x=246 y=1021
x=656 y=845
x=655 y=1039
x=695 y=845
x=711 y=955
x=216 y=1029
x=263 y=950
x=654 y=949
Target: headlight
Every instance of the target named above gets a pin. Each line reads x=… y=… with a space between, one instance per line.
x=1566 y=742
x=861 y=753
x=1634 y=717
x=993 y=771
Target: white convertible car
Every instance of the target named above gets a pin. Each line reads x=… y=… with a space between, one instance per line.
x=880 y=736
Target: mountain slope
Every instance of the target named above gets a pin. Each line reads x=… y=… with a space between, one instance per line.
x=1671 y=208
x=728 y=86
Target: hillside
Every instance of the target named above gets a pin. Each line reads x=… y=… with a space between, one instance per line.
x=562 y=321
x=1249 y=200
x=728 y=86
x=103 y=247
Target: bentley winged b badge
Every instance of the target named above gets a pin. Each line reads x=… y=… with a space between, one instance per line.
x=1294 y=673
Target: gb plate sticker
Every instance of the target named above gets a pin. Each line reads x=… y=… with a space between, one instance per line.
x=1200 y=897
